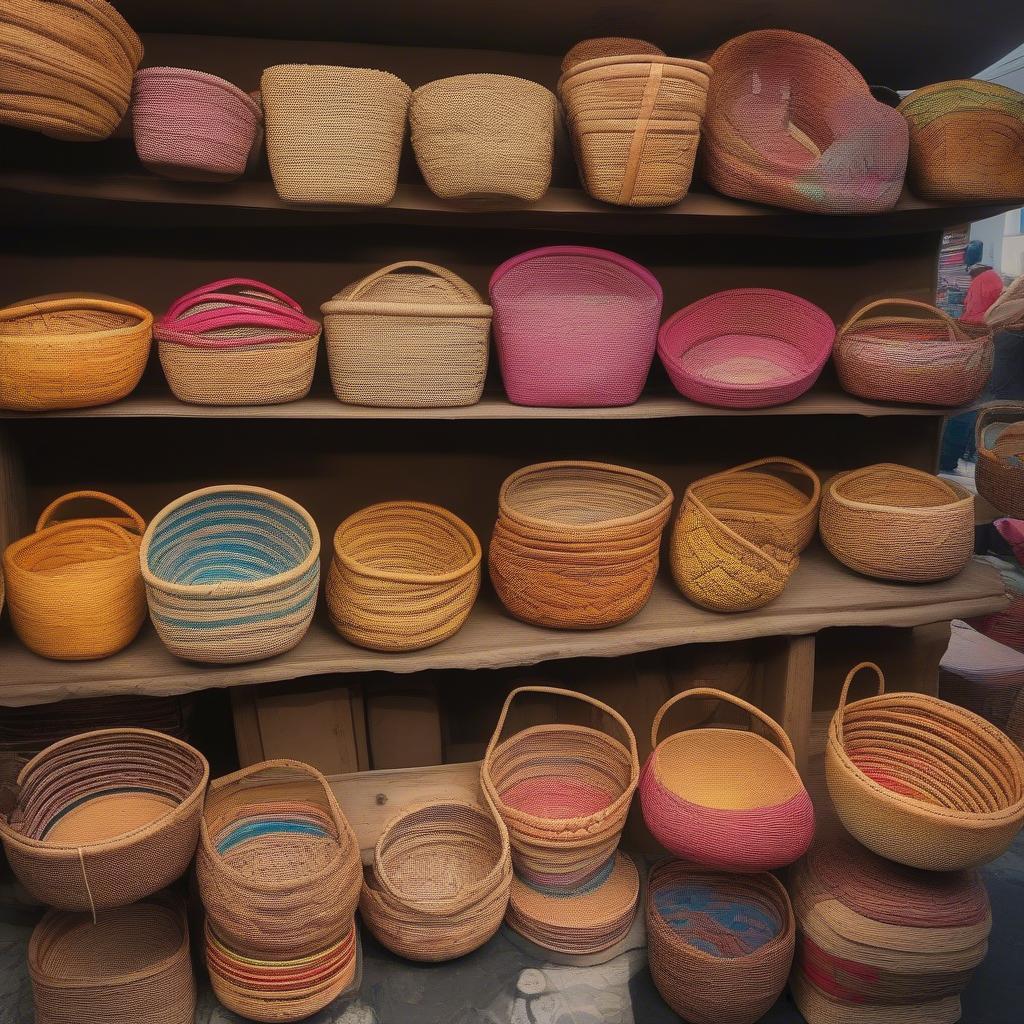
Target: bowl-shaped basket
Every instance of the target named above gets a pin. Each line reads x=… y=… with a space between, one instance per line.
x=999 y=436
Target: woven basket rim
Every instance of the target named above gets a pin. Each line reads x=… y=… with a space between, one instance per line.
x=193 y=75
x=993 y=413
x=960 y=496
x=72 y=303
x=321 y=69
x=701 y=69
x=788 y=36
x=955 y=84
x=16 y=548
x=211 y=935
x=109 y=20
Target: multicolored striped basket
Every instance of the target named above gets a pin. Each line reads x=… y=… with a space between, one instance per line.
x=999 y=435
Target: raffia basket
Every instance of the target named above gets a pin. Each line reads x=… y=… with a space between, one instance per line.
x=71 y=352
x=334 y=135
x=74 y=587
x=404 y=576
x=897 y=523
x=411 y=335
x=999 y=435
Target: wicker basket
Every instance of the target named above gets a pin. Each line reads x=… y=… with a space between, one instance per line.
x=923 y=782
x=237 y=342
x=334 y=135
x=484 y=136
x=105 y=818
x=999 y=435
x=724 y=798
x=1007 y=312
x=897 y=523
x=634 y=116
x=66 y=67
x=231 y=573
x=71 y=352
x=404 y=576
x=411 y=335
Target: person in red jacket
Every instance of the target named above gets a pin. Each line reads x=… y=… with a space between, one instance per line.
x=986 y=287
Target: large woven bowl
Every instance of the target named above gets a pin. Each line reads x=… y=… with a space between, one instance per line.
x=999 y=435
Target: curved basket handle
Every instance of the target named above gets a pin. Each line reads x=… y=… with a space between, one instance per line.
x=838 y=716
x=797 y=467
x=431 y=268
x=271 y=308
x=776 y=730
x=47 y=514
x=955 y=332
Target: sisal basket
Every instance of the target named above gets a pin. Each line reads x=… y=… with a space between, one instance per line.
x=404 y=576
x=999 y=435
x=897 y=523
x=71 y=352
x=334 y=135
x=484 y=136
x=411 y=335
x=74 y=587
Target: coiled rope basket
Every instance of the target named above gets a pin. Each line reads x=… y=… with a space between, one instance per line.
x=999 y=435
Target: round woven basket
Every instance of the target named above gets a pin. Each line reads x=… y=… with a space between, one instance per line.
x=404 y=576
x=999 y=436
x=105 y=818
x=607 y=46
x=923 y=782
x=897 y=523
x=1007 y=312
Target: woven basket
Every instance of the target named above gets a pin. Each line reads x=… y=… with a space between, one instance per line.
x=237 y=342
x=724 y=798
x=999 y=435
x=634 y=116
x=924 y=358
x=334 y=135
x=231 y=573
x=105 y=818
x=719 y=946
x=923 y=782
x=897 y=523
x=66 y=67
x=404 y=576
x=1007 y=312
x=574 y=326
x=411 y=335
x=71 y=352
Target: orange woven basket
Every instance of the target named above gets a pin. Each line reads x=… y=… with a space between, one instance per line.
x=999 y=435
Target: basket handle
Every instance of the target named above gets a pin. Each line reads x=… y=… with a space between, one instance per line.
x=838 y=716
x=278 y=310
x=955 y=332
x=793 y=465
x=431 y=268
x=134 y=518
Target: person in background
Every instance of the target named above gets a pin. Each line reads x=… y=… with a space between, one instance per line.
x=986 y=287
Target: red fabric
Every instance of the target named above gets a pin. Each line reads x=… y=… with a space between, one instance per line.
x=983 y=292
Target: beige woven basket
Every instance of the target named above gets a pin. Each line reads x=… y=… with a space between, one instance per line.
x=999 y=435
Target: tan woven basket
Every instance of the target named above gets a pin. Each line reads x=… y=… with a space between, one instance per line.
x=607 y=46
x=897 y=523
x=999 y=434
x=334 y=135
x=1007 y=312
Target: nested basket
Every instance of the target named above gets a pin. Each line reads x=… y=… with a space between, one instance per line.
x=725 y=798
x=231 y=573
x=999 y=435
x=719 y=946
x=484 y=136
x=738 y=536
x=130 y=966
x=634 y=117
x=897 y=523
x=404 y=576
x=921 y=781
x=439 y=883
x=334 y=135
x=74 y=587
x=577 y=544
x=919 y=355
x=105 y=818
x=411 y=335
x=237 y=342
x=71 y=352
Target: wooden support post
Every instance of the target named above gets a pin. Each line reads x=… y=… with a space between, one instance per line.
x=788 y=689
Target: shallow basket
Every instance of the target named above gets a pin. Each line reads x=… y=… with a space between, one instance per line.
x=231 y=573
x=105 y=818
x=71 y=352
x=411 y=335
x=999 y=436
x=897 y=523
x=923 y=782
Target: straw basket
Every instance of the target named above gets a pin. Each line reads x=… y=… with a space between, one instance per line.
x=634 y=116
x=411 y=335
x=71 y=352
x=719 y=946
x=999 y=434
x=897 y=523
x=231 y=573
x=105 y=818
x=404 y=576
x=923 y=782
x=725 y=798
x=66 y=67
x=484 y=136
x=334 y=135
x=74 y=587
x=924 y=358
x=1007 y=312
x=739 y=534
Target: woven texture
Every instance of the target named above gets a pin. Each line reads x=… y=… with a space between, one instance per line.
x=231 y=573
x=1007 y=312
x=71 y=352
x=792 y=123
x=576 y=544
x=897 y=523
x=999 y=435
x=607 y=46
x=411 y=335
x=334 y=135
x=574 y=326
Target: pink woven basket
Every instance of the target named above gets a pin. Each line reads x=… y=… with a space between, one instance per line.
x=746 y=348
x=575 y=326
x=193 y=126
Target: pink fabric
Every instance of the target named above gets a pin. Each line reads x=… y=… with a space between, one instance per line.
x=981 y=295
x=1012 y=531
